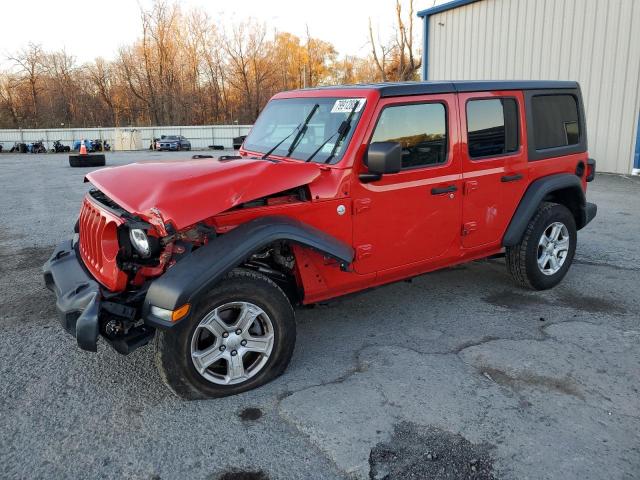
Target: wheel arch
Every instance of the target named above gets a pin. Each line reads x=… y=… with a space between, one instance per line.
x=206 y=266
x=563 y=188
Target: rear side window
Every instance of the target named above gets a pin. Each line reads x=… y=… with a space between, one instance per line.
x=492 y=127
x=421 y=129
x=555 y=121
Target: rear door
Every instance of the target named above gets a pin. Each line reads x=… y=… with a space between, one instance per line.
x=494 y=163
x=414 y=215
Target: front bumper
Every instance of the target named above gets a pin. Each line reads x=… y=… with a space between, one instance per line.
x=169 y=146
x=78 y=295
x=85 y=307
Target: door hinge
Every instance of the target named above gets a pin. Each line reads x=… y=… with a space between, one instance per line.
x=469 y=227
x=360 y=205
x=364 y=251
x=470 y=186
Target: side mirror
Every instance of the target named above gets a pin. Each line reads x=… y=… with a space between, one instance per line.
x=382 y=158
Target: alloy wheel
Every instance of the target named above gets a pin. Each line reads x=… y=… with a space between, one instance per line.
x=553 y=248
x=232 y=343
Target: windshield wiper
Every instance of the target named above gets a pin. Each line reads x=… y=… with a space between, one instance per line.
x=342 y=131
x=301 y=126
x=302 y=130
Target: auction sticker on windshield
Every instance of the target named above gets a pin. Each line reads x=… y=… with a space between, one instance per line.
x=345 y=105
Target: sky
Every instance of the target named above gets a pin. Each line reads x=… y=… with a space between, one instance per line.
x=91 y=28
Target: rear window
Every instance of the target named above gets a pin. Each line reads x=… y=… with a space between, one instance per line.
x=555 y=121
x=492 y=127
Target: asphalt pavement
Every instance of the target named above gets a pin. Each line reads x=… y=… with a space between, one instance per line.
x=458 y=374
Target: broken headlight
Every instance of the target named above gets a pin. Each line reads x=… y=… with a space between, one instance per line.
x=140 y=242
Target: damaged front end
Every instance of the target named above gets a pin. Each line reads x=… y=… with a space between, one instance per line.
x=101 y=276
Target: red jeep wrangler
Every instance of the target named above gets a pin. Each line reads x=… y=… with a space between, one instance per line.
x=335 y=190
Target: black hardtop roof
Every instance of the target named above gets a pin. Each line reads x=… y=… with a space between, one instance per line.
x=391 y=89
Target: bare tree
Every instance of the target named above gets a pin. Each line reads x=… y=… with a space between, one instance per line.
x=60 y=68
x=397 y=59
x=29 y=63
x=8 y=98
x=186 y=68
x=248 y=55
x=380 y=60
x=101 y=76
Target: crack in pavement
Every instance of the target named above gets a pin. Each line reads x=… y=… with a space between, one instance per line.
x=323 y=428
x=606 y=265
x=565 y=385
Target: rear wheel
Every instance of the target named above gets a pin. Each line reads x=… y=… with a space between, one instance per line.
x=544 y=255
x=240 y=336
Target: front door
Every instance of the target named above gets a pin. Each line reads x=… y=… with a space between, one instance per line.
x=494 y=164
x=414 y=215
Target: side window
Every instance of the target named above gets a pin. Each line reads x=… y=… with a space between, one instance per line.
x=492 y=127
x=420 y=128
x=555 y=121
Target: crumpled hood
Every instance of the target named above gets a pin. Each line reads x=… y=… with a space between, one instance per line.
x=185 y=192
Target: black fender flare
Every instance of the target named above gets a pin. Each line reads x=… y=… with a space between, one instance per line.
x=200 y=270
x=535 y=194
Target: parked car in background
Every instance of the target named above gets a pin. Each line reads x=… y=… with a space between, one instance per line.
x=335 y=190
x=173 y=142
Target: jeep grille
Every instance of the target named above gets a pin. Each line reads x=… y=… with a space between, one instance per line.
x=98 y=244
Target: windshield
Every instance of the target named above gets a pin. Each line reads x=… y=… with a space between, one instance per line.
x=171 y=137
x=282 y=117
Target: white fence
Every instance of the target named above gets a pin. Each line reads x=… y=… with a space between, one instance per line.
x=201 y=137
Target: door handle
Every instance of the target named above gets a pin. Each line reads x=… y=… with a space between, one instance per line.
x=511 y=178
x=441 y=190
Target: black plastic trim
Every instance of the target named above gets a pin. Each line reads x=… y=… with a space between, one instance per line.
x=511 y=178
x=77 y=295
x=534 y=195
x=590 y=212
x=443 y=190
x=591 y=163
x=391 y=89
x=369 y=177
x=200 y=270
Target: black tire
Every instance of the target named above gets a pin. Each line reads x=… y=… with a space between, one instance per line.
x=87 y=161
x=522 y=259
x=173 y=347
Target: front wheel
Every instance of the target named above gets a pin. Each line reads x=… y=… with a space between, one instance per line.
x=544 y=255
x=239 y=336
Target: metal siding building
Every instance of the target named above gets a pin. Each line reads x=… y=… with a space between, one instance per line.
x=596 y=42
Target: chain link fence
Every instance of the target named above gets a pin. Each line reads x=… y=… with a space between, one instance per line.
x=138 y=138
